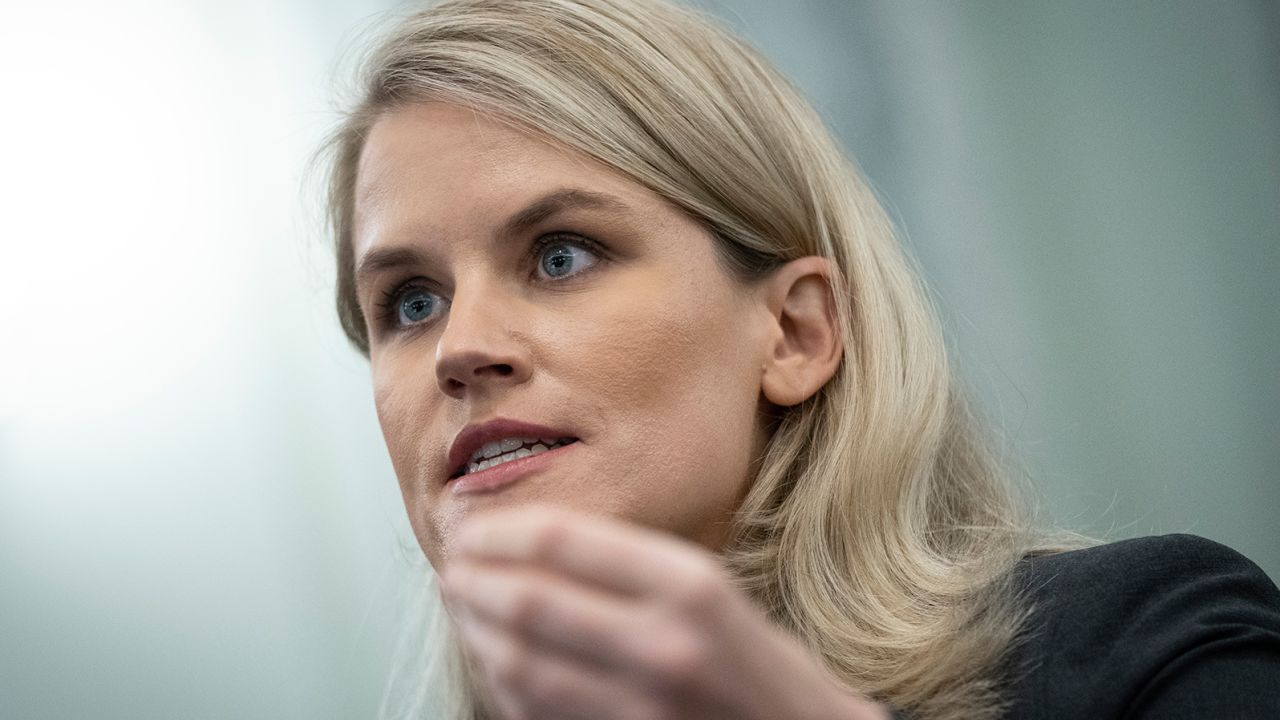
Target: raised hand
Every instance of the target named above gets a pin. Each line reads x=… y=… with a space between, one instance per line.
x=576 y=616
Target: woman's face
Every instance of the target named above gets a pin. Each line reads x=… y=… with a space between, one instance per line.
x=528 y=305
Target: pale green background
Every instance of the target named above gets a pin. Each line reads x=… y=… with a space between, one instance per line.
x=197 y=518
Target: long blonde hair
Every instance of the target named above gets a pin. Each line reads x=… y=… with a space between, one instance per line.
x=879 y=530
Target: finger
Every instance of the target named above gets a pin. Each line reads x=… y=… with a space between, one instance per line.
x=601 y=628
x=619 y=556
x=528 y=682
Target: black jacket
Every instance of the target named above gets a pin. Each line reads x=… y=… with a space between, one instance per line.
x=1158 y=627
x=1174 y=627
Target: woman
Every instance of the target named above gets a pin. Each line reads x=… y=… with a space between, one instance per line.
x=674 y=423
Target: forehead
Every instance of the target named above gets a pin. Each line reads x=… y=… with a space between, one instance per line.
x=436 y=165
x=417 y=142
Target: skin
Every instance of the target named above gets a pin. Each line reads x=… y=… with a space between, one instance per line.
x=587 y=588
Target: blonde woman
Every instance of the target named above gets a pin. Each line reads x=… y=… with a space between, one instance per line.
x=673 y=421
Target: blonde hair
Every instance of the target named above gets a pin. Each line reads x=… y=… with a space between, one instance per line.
x=879 y=530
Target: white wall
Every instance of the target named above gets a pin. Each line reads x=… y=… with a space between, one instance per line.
x=196 y=515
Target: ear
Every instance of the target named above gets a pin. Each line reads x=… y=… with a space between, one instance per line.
x=804 y=340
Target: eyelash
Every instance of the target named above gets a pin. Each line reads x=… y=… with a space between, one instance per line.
x=389 y=307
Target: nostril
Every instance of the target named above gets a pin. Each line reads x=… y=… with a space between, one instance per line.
x=455 y=375
x=500 y=369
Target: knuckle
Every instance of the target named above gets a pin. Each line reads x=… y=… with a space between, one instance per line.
x=509 y=665
x=548 y=689
x=525 y=607
x=703 y=592
x=550 y=538
x=679 y=660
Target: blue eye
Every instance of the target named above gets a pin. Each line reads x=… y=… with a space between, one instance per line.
x=562 y=259
x=417 y=305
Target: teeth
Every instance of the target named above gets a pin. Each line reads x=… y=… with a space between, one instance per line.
x=508 y=449
x=498 y=447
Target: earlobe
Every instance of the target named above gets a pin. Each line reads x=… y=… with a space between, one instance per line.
x=805 y=343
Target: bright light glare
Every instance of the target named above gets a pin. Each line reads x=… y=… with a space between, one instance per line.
x=116 y=273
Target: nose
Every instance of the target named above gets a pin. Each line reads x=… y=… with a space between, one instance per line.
x=479 y=350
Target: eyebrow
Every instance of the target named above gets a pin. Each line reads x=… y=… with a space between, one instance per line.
x=557 y=202
x=379 y=260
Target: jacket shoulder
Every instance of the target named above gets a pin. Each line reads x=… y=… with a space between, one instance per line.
x=1117 y=627
x=1158 y=560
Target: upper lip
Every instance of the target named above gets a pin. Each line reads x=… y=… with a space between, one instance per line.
x=473 y=437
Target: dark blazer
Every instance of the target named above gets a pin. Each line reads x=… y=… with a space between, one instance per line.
x=1159 y=627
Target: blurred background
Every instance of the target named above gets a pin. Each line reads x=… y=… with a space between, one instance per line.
x=197 y=517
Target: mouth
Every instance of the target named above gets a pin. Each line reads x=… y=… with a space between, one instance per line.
x=498 y=452
x=494 y=443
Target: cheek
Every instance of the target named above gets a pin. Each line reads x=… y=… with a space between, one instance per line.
x=644 y=350
x=393 y=389
x=402 y=396
x=673 y=375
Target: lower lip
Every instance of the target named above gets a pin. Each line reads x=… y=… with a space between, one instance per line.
x=502 y=475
